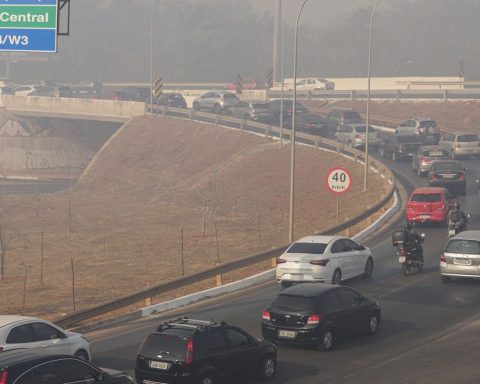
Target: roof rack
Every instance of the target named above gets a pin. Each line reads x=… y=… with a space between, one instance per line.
x=187 y=322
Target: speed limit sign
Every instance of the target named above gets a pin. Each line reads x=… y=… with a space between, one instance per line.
x=339 y=180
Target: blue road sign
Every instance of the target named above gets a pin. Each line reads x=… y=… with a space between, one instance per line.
x=28 y=25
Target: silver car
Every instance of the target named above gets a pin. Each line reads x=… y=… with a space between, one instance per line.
x=461 y=256
x=251 y=110
x=215 y=101
x=23 y=332
x=354 y=135
x=461 y=144
x=423 y=159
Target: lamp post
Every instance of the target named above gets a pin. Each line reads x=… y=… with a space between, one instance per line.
x=151 y=53
x=283 y=73
x=365 y=175
x=292 y=132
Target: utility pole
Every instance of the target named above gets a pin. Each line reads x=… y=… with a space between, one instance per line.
x=276 y=39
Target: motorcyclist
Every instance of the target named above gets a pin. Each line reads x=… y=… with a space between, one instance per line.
x=414 y=241
x=457 y=218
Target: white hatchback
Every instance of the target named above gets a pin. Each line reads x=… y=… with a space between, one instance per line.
x=21 y=332
x=324 y=259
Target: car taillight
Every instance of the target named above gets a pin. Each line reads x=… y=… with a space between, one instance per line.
x=457 y=145
x=424 y=161
x=266 y=315
x=462 y=176
x=190 y=350
x=323 y=263
x=4 y=377
x=443 y=259
x=357 y=136
x=281 y=261
x=433 y=177
x=314 y=319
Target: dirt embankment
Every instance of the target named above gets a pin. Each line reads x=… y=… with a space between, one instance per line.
x=121 y=227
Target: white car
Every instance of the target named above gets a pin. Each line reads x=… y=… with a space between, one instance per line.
x=25 y=90
x=324 y=259
x=314 y=84
x=21 y=332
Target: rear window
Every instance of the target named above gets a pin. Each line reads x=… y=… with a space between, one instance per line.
x=261 y=105
x=363 y=129
x=162 y=343
x=468 y=247
x=294 y=303
x=467 y=138
x=408 y=139
x=428 y=124
x=312 y=248
x=229 y=96
x=352 y=116
x=426 y=197
x=441 y=167
x=435 y=153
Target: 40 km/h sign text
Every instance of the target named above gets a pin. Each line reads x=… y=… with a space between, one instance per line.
x=338 y=180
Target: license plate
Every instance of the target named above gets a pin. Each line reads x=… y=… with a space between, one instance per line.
x=287 y=334
x=462 y=261
x=448 y=175
x=159 y=365
x=401 y=259
x=424 y=216
x=451 y=232
x=296 y=276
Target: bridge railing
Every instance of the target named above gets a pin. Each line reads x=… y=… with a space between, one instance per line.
x=267 y=130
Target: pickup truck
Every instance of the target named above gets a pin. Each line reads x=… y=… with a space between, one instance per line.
x=399 y=146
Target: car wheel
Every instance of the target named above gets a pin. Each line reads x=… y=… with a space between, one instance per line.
x=350 y=144
x=82 y=354
x=217 y=109
x=206 y=378
x=394 y=156
x=196 y=106
x=382 y=152
x=326 y=340
x=445 y=279
x=368 y=268
x=373 y=324
x=267 y=368
x=337 y=277
x=285 y=284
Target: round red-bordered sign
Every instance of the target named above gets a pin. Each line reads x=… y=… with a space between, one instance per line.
x=339 y=180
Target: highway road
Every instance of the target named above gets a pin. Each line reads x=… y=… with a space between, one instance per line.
x=428 y=333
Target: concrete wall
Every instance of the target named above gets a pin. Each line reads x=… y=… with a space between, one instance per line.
x=93 y=109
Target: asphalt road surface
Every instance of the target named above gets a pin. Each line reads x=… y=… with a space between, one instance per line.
x=428 y=334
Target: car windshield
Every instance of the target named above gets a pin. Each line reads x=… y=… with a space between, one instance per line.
x=260 y=105
x=363 y=128
x=160 y=343
x=435 y=153
x=352 y=116
x=428 y=124
x=426 y=197
x=442 y=167
x=294 y=303
x=408 y=139
x=467 y=138
x=467 y=247
x=312 y=248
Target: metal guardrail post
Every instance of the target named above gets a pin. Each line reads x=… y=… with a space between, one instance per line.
x=242 y=125
x=445 y=94
x=191 y=114
x=219 y=280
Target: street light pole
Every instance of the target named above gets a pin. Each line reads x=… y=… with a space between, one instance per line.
x=292 y=132
x=151 y=53
x=365 y=175
x=283 y=73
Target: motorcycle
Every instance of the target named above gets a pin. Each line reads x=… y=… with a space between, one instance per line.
x=457 y=227
x=408 y=257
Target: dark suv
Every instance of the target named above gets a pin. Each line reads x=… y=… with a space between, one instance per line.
x=317 y=314
x=27 y=366
x=399 y=146
x=197 y=351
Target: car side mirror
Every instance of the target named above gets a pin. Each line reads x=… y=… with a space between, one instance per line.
x=360 y=248
x=357 y=300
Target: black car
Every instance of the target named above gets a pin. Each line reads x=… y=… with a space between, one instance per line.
x=448 y=174
x=399 y=146
x=317 y=314
x=141 y=94
x=27 y=366
x=196 y=351
x=175 y=100
x=311 y=123
x=275 y=109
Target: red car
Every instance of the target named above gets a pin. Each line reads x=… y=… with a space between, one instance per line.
x=247 y=84
x=429 y=204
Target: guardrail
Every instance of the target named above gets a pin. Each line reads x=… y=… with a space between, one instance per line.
x=267 y=130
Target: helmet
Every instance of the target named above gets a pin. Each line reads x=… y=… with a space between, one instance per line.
x=456 y=205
